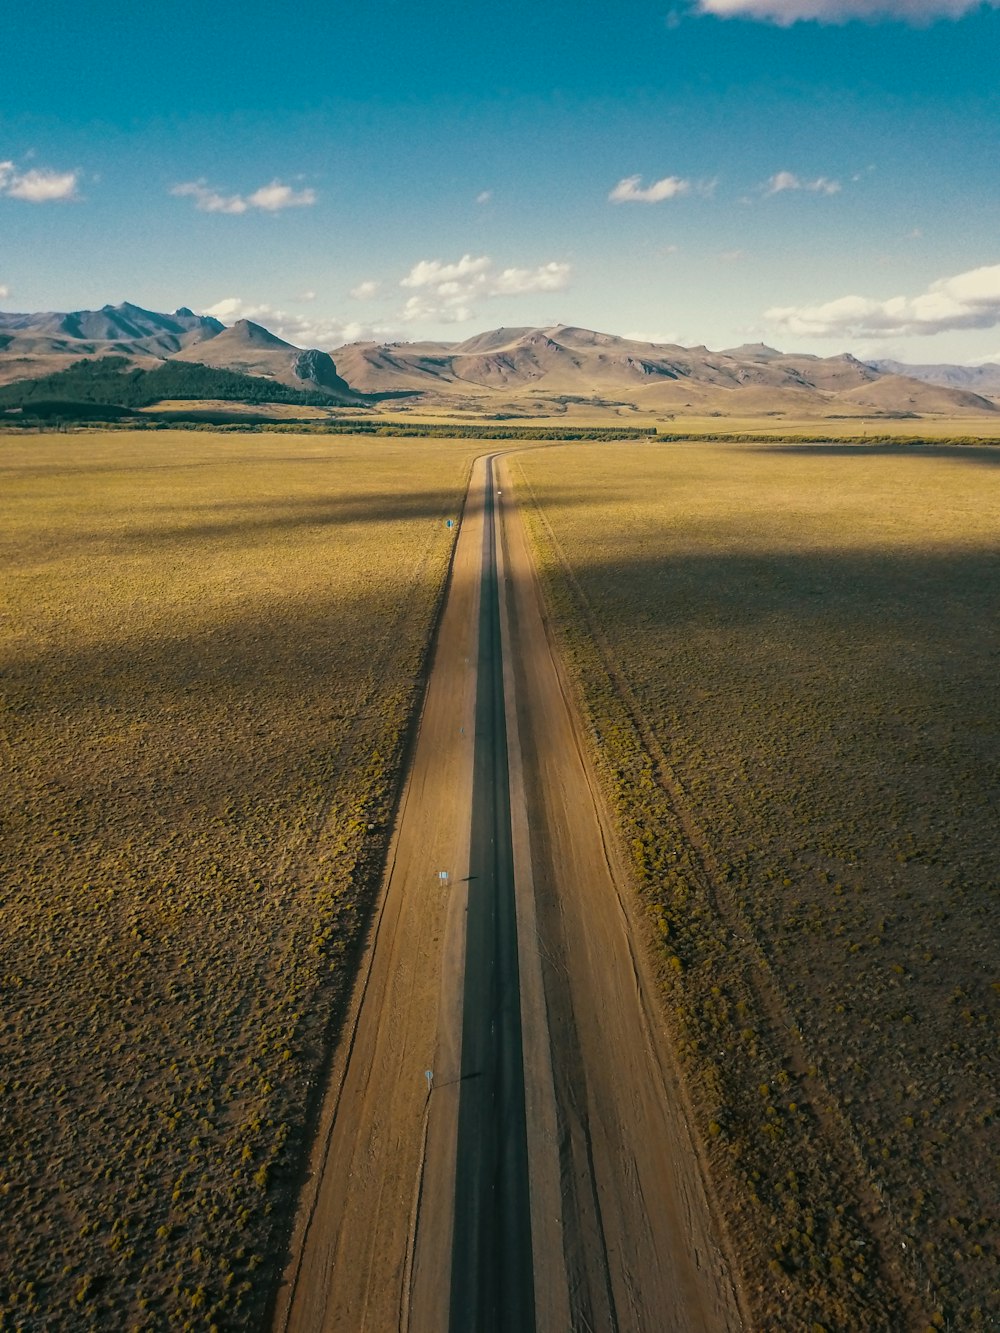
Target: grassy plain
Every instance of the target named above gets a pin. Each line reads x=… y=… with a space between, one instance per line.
x=211 y=647
x=788 y=659
x=582 y=415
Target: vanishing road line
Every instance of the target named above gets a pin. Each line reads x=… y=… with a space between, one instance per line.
x=544 y=1179
x=492 y=1274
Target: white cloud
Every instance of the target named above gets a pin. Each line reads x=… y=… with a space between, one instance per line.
x=365 y=290
x=448 y=292
x=210 y=201
x=630 y=190
x=432 y=273
x=786 y=12
x=4 y=292
x=231 y=308
x=787 y=180
x=732 y=256
x=272 y=198
x=269 y=198
x=38 y=185
x=307 y=296
x=967 y=301
x=550 y=277
x=484 y=196
x=420 y=308
x=300 y=330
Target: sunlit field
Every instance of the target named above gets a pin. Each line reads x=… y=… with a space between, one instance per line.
x=581 y=415
x=789 y=658
x=211 y=650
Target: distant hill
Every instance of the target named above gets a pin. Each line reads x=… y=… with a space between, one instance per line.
x=571 y=359
x=252 y=350
x=900 y=393
x=984 y=379
x=35 y=346
x=506 y=369
x=110 y=381
x=124 y=329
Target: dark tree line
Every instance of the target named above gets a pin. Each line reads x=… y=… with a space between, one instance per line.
x=110 y=382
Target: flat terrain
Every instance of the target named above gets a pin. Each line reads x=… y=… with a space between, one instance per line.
x=546 y=1177
x=676 y=1004
x=580 y=416
x=788 y=658
x=211 y=648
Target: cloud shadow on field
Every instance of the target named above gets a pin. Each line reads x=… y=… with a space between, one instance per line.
x=243 y=523
x=948 y=602
x=985 y=455
x=170 y=732
x=236 y=523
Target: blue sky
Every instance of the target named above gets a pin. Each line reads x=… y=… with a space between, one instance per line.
x=823 y=175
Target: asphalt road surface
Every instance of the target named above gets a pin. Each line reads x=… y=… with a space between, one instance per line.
x=504 y=1142
x=491 y=1271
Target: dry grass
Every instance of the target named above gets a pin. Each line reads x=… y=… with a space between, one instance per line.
x=212 y=646
x=789 y=659
x=584 y=414
x=944 y=428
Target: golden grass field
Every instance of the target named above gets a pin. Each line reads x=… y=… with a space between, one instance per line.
x=978 y=427
x=212 y=646
x=211 y=650
x=789 y=662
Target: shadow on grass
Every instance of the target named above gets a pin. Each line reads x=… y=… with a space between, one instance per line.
x=986 y=454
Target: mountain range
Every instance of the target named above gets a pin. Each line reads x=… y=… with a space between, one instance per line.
x=984 y=379
x=35 y=345
x=518 y=372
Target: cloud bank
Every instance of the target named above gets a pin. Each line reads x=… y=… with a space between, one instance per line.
x=786 y=12
x=967 y=301
x=448 y=292
x=39 y=185
x=268 y=199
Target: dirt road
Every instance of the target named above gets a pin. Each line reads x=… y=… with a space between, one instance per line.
x=503 y=1144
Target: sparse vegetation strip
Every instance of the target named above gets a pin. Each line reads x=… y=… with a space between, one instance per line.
x=873 y=440
x=41 y=415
